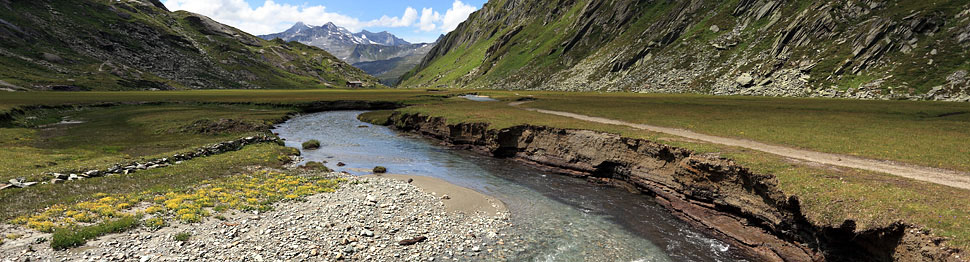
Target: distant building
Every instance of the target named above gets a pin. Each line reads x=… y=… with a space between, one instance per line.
x=355 y=84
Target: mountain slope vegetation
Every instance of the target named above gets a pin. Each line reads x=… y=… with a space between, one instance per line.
x=868 y=49
x=139 y=44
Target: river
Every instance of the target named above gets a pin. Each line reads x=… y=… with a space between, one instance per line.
x=558 y=218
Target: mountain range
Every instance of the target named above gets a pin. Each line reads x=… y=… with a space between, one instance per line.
x=139 y=44
x=382 y=54
x=869 y=49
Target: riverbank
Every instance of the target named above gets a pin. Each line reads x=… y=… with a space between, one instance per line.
x=745 y=208
x=560 y=218
x=367 y=218
x=455 y=198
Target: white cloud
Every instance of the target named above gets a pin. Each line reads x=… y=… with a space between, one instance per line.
x=273 y=17
x=428 y=19
x=458 y=13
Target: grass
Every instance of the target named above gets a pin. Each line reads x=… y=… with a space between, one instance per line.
x=377 y=117
x=829 y=196
x=64 y=238
x=311 y=144
x=134 y=130
x=123 y=133
x=183 y=237
x=18 y=202
x=111 y=135
x=275 y=97
x=923 y=133
x=314 y=165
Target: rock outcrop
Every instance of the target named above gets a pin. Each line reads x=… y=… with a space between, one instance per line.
x=870 y=49
x=743 y=208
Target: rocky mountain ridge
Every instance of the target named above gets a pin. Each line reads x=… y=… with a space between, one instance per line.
x=869 y=49
x=335 y=39
x=382 y=54
x=139 y=45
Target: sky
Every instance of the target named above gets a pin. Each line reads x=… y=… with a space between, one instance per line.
x=415 y=21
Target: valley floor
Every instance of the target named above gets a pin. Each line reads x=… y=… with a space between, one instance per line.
x=143 y=125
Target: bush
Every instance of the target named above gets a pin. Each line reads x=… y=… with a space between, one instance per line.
x=314 y=165
x=156 y=223
x=65 y=238
x=380 y=170
x=184 y=236
x=312 y=144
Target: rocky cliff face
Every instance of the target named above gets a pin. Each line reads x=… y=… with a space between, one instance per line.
x=139 y=45
x=870 y=49
x=743 y=208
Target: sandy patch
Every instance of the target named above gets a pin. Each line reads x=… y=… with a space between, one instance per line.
x=459 y=199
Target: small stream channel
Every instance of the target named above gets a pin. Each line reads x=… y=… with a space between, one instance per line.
x=559 y=218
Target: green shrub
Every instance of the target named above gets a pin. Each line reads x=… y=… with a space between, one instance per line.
x=380 y=170
x=64 y=238
x=155 y=223
x=314 y=165
x=312 y=144
x=220 y=208
x=184 y=236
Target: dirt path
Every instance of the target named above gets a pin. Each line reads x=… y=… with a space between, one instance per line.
x=928 y=174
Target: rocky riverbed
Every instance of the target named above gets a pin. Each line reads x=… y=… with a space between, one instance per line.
x=366 y=219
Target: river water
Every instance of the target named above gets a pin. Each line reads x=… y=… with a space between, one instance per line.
x=559 y=218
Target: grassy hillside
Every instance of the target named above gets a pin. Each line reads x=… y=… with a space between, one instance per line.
x=139 y=45
x=854 y=49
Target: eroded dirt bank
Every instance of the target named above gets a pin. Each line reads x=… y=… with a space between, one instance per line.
x=743 y=208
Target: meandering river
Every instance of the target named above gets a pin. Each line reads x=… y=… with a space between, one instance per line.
x=559 y=218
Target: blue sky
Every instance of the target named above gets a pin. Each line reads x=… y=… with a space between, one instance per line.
x=415 y=21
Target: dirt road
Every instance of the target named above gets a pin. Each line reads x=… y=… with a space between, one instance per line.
x=928 y=174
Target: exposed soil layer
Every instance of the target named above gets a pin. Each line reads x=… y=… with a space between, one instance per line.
x=928 y=174
x=745 y=209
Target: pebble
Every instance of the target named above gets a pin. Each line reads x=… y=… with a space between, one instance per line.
x=409 y=224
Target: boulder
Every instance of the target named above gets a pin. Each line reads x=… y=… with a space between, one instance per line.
x=52 y=58
x=59 y=176
x=745 y=80
x=92 y=173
